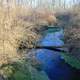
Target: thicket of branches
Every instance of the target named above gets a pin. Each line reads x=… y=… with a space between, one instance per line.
x=70 y=21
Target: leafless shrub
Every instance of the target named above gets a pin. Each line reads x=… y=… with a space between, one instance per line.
x=72 y=32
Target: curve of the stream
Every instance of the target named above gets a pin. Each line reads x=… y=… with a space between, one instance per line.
x=53 y=63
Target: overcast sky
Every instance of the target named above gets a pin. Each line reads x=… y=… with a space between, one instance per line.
x=67 y=2
x=47 y=2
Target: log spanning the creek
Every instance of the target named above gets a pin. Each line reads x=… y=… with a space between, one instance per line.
x=53 y=48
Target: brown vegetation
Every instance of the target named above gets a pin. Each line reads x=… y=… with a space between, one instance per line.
x=72 y=32
x=18 y=31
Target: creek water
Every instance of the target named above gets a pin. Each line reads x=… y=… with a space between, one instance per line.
x=52 y=62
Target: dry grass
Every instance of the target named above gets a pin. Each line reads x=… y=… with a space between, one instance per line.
x=16 y=33
x=12 y=31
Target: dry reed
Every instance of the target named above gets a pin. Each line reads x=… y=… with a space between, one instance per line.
x=16 y=33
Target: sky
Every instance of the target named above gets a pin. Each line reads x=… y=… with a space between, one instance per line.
x=68 y=3
x=35 y=2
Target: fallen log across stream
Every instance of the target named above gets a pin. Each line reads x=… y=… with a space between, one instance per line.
x=53 y=48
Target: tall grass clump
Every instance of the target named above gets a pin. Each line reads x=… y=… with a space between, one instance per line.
x=19 y=28
x=13 y=32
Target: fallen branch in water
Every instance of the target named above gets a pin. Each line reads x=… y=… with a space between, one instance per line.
x=53 y=48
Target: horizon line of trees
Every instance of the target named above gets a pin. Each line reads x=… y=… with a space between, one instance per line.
x=51 y=4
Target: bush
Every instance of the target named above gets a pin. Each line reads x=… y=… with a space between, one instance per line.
x=72 y=33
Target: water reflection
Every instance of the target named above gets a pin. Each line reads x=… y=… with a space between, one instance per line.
x=53 y=63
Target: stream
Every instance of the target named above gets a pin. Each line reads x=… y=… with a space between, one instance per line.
x=52 y=62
